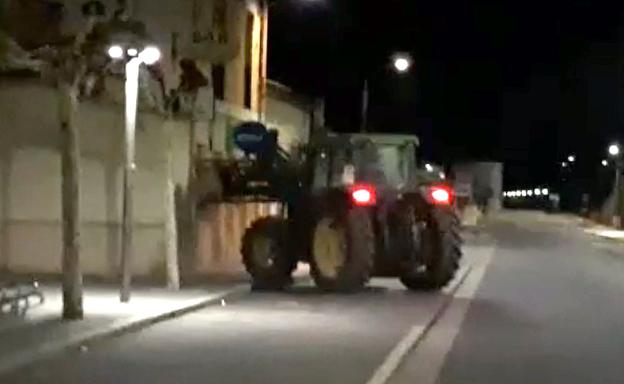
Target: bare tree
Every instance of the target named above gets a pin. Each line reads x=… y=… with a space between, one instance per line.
x=78 y=67
x=70 y=168
x=68 y=71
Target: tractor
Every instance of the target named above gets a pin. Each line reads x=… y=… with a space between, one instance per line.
x=354 y=206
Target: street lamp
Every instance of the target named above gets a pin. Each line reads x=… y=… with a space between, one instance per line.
x=429 y=167
x=564 y=164
x=571 y=158
x=115 y=52
x=402 y=63
x=149 y=55
x=605 y=163
x=614 y=149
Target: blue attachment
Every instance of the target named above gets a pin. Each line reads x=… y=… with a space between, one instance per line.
x=252 y=137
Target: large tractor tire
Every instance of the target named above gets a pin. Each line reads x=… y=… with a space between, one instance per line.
x=343 y=249
x=265 y=254
x=442 y=248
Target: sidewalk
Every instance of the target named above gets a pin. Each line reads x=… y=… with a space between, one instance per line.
x=40 y=332
x=605 y=232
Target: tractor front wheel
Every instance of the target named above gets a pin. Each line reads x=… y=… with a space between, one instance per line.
x=265 y=254
x=343 y=247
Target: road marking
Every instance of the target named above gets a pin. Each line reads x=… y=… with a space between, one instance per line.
x=425 y=364
x=392 y=361
x=469 y=288
x=416 y=333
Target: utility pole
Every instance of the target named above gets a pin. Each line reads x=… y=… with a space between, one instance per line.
x=617 y=192
x=171 y=229
x=365 y=100
x=262 y=71
x=127 y=234
x=615 y=152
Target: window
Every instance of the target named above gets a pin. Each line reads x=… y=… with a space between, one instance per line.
x=218 y=81
x=248 y=59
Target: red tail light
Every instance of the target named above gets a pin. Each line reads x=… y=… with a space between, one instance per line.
x=440 y=195
x=363 y=195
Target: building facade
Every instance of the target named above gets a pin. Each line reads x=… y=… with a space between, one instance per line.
x=226 y=41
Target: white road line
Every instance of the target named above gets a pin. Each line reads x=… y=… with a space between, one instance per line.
x=416 y=333
x=469 y=288
x=425 y=363
x=392 y=361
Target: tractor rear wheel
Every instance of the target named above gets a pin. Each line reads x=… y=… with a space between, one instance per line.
x=265 y=254
x=442 y=245
x=343 y=248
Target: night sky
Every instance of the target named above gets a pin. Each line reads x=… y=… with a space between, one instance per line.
x=524 y=82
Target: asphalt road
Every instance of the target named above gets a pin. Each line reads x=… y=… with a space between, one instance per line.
x=545 y=307
x=548 y=310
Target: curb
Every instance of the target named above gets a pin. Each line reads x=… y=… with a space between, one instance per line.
x=397 y=355
x=113 y=330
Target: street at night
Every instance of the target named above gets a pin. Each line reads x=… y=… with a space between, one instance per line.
x=539 y=304
x=311 y=192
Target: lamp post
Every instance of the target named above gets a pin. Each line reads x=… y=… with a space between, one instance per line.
x=615 y=152
x=401 y=64
x=149 y=55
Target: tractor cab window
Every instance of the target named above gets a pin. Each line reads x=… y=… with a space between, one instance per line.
x=330 y=168
x=382 y=165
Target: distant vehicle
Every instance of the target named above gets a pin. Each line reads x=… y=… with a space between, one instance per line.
x=355 y=206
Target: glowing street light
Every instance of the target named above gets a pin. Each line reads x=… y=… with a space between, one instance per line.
x=605 y=163
x=530 y=193
x=571 y=158
x=537 y=192
x=524 y=193
x=564 y=164
x=115 y=52
x=429 y=167
x=402 y=63
x=614 y=149
x=545 y=191
x=150 y=55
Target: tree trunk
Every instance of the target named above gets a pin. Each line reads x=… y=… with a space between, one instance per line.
x=191 y=182
x=171 y=229
x=70 y=163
